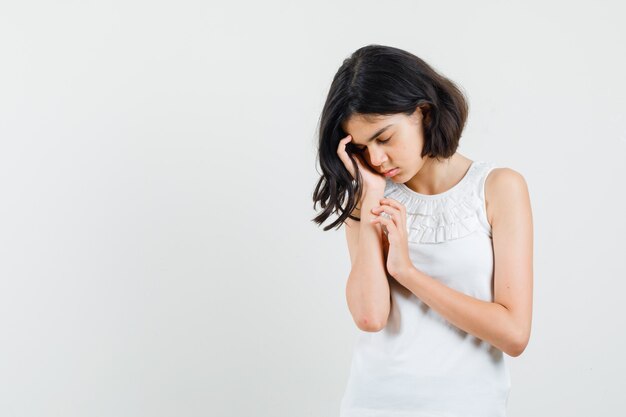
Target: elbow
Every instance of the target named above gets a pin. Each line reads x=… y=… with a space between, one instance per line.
x=516 y=350
x=370 y=313
x=519 y=345
x=370 y=325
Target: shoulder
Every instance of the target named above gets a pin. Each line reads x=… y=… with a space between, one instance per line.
x=505 y=189
x=500 y=177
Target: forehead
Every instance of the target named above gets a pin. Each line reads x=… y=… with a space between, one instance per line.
x=361 y=127
x=360 y=121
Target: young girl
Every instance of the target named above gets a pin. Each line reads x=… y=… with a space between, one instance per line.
x=441 y=246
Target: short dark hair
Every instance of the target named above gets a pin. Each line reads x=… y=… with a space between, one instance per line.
x=382 y=80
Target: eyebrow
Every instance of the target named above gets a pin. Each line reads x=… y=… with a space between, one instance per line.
x=375 y=135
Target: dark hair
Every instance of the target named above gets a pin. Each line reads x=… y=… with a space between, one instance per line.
x=382 y=80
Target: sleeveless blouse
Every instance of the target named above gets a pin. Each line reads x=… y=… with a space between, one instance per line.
x=419 y=364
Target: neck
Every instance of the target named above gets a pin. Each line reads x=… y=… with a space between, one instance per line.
x=435 y=177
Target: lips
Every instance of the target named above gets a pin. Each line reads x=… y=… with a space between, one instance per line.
x=391 y=172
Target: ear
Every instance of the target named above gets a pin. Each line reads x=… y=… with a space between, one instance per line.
x=423 y=111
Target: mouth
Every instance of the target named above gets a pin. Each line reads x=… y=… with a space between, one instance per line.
x=391 y=172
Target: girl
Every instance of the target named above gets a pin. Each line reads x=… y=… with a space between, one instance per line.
x=440 y=245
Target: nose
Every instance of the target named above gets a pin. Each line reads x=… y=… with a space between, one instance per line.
x=377 y=157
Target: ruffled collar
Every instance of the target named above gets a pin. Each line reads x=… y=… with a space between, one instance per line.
x=441 y=217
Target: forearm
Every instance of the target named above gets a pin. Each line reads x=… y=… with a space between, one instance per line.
x=488 y=321
x=367 y=289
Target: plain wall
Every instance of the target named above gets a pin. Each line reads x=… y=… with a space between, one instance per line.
x=157 y=165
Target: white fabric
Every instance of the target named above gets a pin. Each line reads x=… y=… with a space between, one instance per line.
x=420 y=365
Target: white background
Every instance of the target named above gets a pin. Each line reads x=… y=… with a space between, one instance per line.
x=157 y=164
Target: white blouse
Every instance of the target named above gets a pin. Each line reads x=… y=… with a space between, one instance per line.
x=420 y=365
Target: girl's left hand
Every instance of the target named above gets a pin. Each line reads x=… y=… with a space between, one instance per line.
x=398 y=260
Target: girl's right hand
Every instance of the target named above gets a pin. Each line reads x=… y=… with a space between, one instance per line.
x=372 y=180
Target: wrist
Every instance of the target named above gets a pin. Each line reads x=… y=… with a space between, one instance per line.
x=367 y=203
x=373 y=193
x=408 y=274
x=370 y=200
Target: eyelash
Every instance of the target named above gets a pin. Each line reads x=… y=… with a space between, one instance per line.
x=380 y=141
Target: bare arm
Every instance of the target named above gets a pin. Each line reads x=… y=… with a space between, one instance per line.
x=506 y=322
x=367 y=289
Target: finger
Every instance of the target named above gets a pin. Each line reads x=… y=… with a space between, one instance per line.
x=344 y=156
x=388 y=223
x=387 y=208
x=358 y=159
x=393 y=217
x=393 y=203
x=390 y=202
x=385 y=242
x=393 y=212
x=341 y=146
x=363 y=163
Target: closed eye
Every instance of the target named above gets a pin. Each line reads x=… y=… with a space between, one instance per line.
x=362 y=148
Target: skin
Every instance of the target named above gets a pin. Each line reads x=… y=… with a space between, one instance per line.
x=505 y=322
